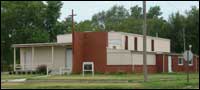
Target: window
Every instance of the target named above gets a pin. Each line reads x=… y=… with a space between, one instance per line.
x=135 y=43
x=190 y=62
x=152 y=45
x=180 y=61
x=115 y=42
x=126 y=42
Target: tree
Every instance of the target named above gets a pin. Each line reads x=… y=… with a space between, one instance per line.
x=154 y=12
x=176 y=22
x=21 y=21
x=136 y=12
x=51 y=15
x=192 y=29
x=107 y=20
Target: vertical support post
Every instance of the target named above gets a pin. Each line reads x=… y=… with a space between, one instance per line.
x=14 y=67
x=32 y=61
x=144 y=42
x=83 y=69
x=92 y=69
x=52 y=55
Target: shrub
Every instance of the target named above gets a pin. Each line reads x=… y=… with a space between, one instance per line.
x=14 y=72
x=28 y=72
x=23 y=72
x=19 y=72
x=42 y=69
x=10 y=72
x=33 y=72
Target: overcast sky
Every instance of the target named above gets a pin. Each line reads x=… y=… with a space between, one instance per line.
x=85 y=9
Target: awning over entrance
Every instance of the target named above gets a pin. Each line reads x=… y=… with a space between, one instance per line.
x=33 y=45
x=40 y=44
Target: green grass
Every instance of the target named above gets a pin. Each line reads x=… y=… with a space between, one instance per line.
x=173 y=81
x=181 y=84
x=130 y=77
x=9 y=77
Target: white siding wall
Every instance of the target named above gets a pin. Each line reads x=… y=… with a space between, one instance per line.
x=66 y=38
x=43 y=55
x=125 y=57
x=118 y=57
x=160 y=44
x=114 y=36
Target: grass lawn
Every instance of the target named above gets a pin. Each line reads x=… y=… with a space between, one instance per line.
x=10 y=77
x=174 y=81
x=133 y=77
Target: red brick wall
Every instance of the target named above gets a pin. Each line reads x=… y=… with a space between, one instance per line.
x=139 y=68
x=165 y=63
x=118 y=68
x=130 y=68
x=77 y=52
x=183 y=68
x=159 y=62
x=90 y=46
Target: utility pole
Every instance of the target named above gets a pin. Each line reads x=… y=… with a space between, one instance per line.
x=184 y=38
x=73 y=30
x=72 y=16
x=144 y=43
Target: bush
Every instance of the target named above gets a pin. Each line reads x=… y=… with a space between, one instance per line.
x=23 y=72
x=33 y=72
x=10 y=72
x=19 y=72
x=42 y=69
x=14 y=72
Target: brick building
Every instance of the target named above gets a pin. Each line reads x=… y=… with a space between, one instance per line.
x=108 y=51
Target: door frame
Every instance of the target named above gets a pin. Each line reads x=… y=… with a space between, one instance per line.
x=66 y=59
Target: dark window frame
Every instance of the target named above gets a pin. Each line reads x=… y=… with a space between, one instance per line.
x=135 y=44
x=152 y=45
x=126 y=42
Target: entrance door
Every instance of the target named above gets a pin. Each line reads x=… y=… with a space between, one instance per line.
x=69 y=60
x=27 y=59
x=169 y=64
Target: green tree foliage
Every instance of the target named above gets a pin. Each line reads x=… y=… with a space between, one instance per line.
x=108 y=20
x=192 y=29
x=136 y=12
x=52 y=14
x=154 y=12
x=27 y=22
x=176 y=22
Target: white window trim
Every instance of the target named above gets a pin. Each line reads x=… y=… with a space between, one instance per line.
x=182 y=61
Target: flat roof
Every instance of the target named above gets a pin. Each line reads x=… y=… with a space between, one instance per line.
x=40 y=44
x=139 y=35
